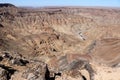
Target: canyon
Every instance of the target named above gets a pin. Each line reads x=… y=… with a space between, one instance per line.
x=59 y=43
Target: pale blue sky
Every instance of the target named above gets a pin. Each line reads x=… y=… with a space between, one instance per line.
x=39 y=3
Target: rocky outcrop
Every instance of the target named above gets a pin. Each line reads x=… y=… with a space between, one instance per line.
x=6 y=72
x=3 y=74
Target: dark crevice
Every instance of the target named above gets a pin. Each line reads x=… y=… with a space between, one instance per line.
x=10 y=71
x=54 y=12
x=1 y=26
x=20 y=62
x=24 y=62
x=83 y=77
x=115 y=65
x=7 y=55
x=1 y=58
x=47 y=74
x=90 y=70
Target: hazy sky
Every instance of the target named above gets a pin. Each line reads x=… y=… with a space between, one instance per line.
x=38 y=3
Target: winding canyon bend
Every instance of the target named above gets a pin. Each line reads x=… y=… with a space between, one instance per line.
x=59 y=43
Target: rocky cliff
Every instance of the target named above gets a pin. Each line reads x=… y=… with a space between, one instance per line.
x=62 y=43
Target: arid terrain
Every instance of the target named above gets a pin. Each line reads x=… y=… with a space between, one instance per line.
x=59 y=43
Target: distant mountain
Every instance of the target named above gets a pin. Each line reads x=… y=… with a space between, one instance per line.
x=6 y=5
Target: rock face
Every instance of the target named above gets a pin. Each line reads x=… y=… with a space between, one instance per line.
x=63 y=43
x=36 y=72
x=3 y=74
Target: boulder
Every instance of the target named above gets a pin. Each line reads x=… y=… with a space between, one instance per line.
x=35 y=72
